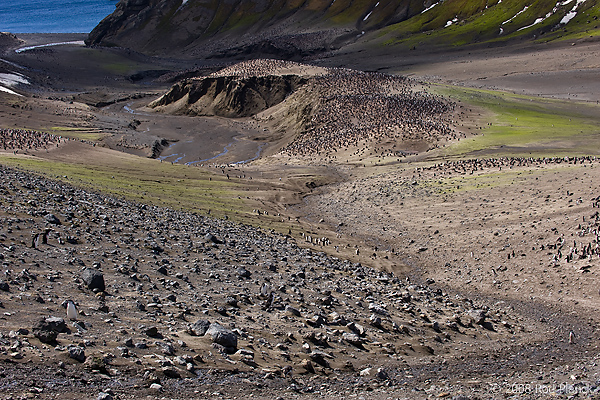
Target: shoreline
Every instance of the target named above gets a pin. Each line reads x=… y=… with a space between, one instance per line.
x=27 y=48
x=38 y=39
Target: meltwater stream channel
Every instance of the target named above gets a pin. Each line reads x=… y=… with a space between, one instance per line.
x=192 y=151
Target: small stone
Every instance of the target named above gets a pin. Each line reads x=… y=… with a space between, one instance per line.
x=352 y=338
x=4 y=286
x=162 y=270
x=171 y=372
x=52 y=219
x=77 y=353
x=243 y=273
x=96 y=363
x=307 y=366
x=212 y=238
x=167 y=348
x=151 y=331
x=156 y=386
x=104 y=396
x=381 y=374
x=22 y=332
x=292 y=311
x=476 y=316
x=375 y=320
x=357 y=328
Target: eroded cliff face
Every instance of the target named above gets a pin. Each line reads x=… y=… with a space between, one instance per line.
x=227 y=96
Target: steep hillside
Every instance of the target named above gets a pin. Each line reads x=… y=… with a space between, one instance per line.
x=294 y=29
x=157 y=26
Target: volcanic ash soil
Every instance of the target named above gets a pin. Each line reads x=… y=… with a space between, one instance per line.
x=173 y=301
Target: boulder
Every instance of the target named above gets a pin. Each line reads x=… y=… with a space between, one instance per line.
x=47 y=329
x=199 y=327
x=94 y=279
x=57 y=323
x=222 y=336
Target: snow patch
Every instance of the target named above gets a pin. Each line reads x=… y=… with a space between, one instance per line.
x=13 y=80
x=181 y=6
x=76 y=42
x=515 y=16
x=369 y=14
x=430 y=7
x=537 y=21
x=453 y=21
x=3 y=89
x=571 y=14
x=10 y=80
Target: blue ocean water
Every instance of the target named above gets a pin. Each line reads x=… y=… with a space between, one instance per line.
x=53 y=16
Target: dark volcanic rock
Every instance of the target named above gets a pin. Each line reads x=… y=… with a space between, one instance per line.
x=52 y=219
x=8 y=40
x=57 y=323
x=199 y=327
x=151 y=331
x=47 y=329
x=94 y=279
x=222 y=336
x=77 y=353
x=209 y=237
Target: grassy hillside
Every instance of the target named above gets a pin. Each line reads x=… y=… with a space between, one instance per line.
x=463 y=22
x=167 y=26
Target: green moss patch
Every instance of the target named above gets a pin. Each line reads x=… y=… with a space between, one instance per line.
x=523 y=125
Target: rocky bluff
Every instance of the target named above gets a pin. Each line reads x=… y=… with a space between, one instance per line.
x=227 y=96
